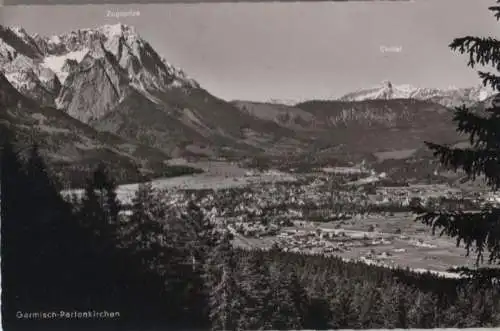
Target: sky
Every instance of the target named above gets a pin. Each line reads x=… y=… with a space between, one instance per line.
x=292 y=51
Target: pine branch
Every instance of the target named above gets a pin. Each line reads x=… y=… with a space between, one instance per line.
x=490 y=79
x=482 y=131
x=482 y=50
x=474 y=228
x=496 y=10
x=474 y=162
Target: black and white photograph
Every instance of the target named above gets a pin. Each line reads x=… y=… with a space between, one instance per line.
x=250 y=165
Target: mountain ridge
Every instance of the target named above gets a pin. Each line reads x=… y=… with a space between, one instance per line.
x=112 y=63
x=113 y=80
x=449 y=97
x=73 y=148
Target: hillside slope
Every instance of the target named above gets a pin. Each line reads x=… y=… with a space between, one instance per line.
x=70 y=146
x=113 y=79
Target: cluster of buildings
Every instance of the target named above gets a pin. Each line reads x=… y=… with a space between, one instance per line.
x=264 y=209
x=327 y=241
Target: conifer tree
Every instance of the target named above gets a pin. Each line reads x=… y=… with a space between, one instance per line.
x=476 y=229
x=39 y=235
x=423 y=312
x=11 y=191
x=101 y=207
x=256 y=294
x=319 y=315
x=106 y=187
x=203 y=231
x=459 y=314
x=224 y=296
x=344 y=310
x=396 y=307
x=142 y=246
x=145 y=228
x=51 y=230
x=202 y=238
x=484 y=307
x=284 y=314
x=369 y=308
x=299 y=299
x=105 y=264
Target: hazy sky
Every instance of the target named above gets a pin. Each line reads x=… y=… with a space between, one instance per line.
x=294 y=51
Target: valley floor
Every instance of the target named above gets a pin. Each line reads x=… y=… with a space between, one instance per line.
x=395 y=240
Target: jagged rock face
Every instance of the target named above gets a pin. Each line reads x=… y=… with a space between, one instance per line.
x=67 y=142
x=100 y=76
x=58 y=70
x=130 y=51
x=93 y=88
x=19 y=62
x=113 y=80
x=49 y=79
x=18 y=43
x=29 y=83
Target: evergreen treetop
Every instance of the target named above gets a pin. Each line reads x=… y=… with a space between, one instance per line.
x=479 y=229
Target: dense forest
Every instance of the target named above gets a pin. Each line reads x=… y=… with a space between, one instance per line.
x=168 y=267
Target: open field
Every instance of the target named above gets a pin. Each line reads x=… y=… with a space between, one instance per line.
x=217 y=175
x=381 y=239
x=386 y=240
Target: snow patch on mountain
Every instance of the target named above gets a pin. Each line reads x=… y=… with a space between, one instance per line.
x=54 y=58
x=23 y=80
x=46 y=75
x=54 y=40
x=57 y=62
x=286 y=102
x=116 y=30
x=451 y=96
x=15 y=78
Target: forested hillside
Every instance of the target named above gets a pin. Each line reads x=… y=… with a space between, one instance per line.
x=170 y=268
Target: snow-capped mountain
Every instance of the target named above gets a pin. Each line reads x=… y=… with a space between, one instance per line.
x=112 y=79
x=113 y=59
x=450 y=97
x=286 y=102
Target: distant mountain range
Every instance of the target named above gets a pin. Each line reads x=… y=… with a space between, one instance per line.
x=99 y=89
x=450 y=97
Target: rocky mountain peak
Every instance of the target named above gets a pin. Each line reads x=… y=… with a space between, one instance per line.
x=449 y=97
x=64 y=62
x=20 y=32
x=387 y=84
x=119 y=29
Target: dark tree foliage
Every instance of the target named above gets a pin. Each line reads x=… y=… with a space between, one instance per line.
x=43 y=247
x=11 y=181
x=167 y=267
x=476 y=229
x=353 y=295
x=222 y=281
x=256 y=294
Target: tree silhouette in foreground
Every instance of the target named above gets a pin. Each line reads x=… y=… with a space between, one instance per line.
x=480 y=229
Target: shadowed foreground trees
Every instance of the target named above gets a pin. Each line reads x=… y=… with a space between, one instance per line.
x=167 y=267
